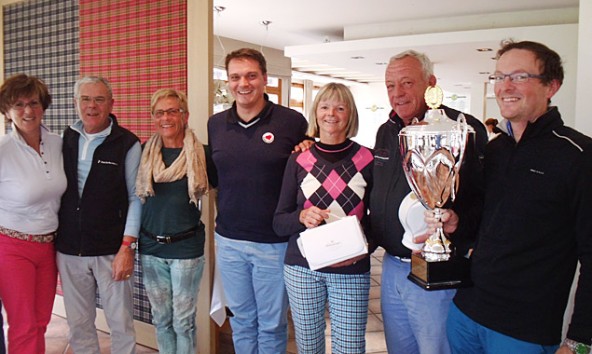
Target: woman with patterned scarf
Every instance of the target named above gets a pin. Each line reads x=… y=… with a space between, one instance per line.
x=171 y=180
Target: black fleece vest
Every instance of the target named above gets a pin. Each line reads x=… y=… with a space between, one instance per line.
x=93 y=225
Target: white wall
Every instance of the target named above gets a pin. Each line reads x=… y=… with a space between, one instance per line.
x=561 y=38
x=373 y=109
x=277 y=63
x=584 y=71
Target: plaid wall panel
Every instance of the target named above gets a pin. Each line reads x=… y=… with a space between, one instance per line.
x=41 y=39
x=140 y=46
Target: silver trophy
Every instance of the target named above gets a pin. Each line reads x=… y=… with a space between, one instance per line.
x=432 y=152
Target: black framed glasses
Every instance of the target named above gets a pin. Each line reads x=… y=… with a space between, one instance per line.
x=516 y=78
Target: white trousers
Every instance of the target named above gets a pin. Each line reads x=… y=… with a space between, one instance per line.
x=80 y=278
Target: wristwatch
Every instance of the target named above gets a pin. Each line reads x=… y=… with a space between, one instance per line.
x=133 y=245
x=576 y=347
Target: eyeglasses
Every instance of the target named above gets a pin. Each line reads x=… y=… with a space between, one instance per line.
x=20 y=106
x=516 y=78
x=100 y=100
x=173 y=112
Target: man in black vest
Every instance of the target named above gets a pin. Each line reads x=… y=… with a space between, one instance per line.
x=99 y=220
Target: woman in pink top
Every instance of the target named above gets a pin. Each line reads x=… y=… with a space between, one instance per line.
x=32 y=181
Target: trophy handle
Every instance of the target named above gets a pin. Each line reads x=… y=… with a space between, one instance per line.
x=464 y=132
x=463 y=126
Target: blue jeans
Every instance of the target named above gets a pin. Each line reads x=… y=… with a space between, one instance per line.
x=253 y=278
x=172 y=286
x=414 y=318
x=467 y=336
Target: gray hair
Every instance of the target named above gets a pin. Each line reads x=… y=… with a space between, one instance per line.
x=426 y=64
x=92 y=80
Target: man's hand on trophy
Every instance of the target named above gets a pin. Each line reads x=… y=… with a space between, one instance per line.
x=448 y=221
x=313 y=216
x=422 y=237
x=419 y=240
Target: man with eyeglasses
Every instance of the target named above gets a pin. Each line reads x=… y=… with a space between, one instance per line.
x=536 y=221
x=99 y=220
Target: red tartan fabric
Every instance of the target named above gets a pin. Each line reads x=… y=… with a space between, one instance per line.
x=140 y=47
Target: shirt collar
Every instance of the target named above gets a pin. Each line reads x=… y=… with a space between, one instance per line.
x=78 y=126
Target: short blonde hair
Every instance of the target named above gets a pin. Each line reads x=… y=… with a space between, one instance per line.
x=340 y=93
x=166 y=93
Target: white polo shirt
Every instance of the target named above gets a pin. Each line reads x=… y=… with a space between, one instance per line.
x=31 y=185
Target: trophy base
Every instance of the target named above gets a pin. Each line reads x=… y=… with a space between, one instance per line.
x=451 y=274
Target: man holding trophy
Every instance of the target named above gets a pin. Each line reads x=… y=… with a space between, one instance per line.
x=414 y=318
x=536 y=221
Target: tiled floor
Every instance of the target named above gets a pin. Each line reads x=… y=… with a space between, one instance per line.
x=56 y=340
x=57 y=343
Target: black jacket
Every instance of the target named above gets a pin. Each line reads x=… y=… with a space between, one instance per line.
x=390 y=187
x=536 y=225
x=93 y=225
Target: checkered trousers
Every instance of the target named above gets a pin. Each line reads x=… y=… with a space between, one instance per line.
x=347 y=297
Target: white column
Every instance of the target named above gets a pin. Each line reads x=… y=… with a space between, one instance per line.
x=583 y=121
x=200 y=86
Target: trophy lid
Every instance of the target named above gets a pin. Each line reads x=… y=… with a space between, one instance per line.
x=435 y=121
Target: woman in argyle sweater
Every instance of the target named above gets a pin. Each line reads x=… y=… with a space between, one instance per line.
x=331 y=180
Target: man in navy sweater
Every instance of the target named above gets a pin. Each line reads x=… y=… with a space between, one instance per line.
x=250 y=144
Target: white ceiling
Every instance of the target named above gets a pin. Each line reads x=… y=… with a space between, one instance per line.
x=320 y=34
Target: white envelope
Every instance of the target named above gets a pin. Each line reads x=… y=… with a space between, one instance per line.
x=333 y=242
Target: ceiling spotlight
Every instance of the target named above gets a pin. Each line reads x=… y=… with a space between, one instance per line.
x=219 y=8
x=381 y=63
x=484 y=50
x=357 y=57
x=265 y=23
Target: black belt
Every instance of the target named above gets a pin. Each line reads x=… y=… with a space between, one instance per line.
x=165 y=240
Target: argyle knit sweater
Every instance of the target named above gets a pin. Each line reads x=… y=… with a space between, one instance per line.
x=334 y=177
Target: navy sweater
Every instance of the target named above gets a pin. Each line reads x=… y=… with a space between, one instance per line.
x=250 y=161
